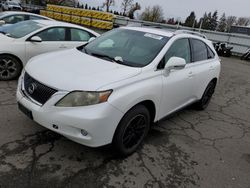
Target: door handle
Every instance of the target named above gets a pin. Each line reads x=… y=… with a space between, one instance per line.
x=211 y=68
x=190 y=74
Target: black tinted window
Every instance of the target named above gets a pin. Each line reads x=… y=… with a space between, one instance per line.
x=53 y=34
x=79 y=35
x=180 y=48
x=200 y=51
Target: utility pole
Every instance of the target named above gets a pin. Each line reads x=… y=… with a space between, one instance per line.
x=201 y=24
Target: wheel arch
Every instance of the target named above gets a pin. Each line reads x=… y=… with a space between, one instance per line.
x=151 y=107
x=214 y=80
x=20 y=61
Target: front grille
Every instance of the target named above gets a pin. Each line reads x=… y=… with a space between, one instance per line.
x=36 y=90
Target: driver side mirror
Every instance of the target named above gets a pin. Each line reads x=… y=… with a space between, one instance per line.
x=175 y=63
x=35 y=39
x=2 y=22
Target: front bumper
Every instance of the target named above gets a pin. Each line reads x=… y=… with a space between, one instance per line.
x=99 y=121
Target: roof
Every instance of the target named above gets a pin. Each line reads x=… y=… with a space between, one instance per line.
x=48 y=23
x=54 y=22
x=8 y=13
x=152 y=30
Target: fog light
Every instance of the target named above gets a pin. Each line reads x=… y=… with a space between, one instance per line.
x=84 y=133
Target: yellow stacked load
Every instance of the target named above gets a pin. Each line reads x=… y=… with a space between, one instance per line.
x=66 y=18
x=101 y=24
x=43 y=12
x=97 y=19
x=102 y=15
x=76 y=19
x=57 y=16
x=50 y=14
x=85 y=21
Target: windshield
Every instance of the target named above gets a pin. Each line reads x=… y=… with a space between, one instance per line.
x=13 y=3
x=128 y=47
x=20 y=29
x=2 y=13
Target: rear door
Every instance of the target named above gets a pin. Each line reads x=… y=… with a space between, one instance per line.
x=204 y=66
x=53 y=39
x=78 y=37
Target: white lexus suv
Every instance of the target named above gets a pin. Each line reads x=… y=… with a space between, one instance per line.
x=112 y=90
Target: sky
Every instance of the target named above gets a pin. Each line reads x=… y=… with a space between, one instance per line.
x=181 y=8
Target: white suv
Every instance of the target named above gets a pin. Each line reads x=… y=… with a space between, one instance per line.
x=114 y=88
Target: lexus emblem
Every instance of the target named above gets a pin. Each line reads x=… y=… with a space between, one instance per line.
x=32 y=88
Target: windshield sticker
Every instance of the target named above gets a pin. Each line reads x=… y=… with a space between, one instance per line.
x=157 y=37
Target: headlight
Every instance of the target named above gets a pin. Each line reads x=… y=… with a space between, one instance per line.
x=83 y=98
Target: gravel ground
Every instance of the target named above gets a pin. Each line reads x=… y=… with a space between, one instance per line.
x=191 y=149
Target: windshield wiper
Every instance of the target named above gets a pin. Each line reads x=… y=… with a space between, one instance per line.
x=2 y=32
x=107 y=57
x=6 y=34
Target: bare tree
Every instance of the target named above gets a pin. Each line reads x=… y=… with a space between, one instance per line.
x=126 y=5
x=62 y=2
x=107 y=4
x=243 y=21
x=154 y=14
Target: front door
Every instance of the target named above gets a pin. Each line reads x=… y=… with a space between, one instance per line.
x=178 y=84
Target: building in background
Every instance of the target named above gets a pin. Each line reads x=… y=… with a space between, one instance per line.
x=240 y=29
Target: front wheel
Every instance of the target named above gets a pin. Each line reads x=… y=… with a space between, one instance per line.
x=132 y=130
x=206 y=97
x=10 y=68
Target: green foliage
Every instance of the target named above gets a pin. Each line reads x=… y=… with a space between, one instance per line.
x=191 y=20
x=222 y=25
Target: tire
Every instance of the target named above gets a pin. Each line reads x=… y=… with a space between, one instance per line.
x=131 y=131
x=10 y=68
x=243 y=57
x=203 y=103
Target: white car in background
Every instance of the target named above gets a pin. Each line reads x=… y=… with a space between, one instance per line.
x=11 y=5
x=114 y=88
x=24 y=40
x=12 y=17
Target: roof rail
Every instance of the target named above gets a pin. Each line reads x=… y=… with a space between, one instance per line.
x=190 y=32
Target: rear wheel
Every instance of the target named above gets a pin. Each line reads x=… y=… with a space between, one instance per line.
x=10 y=67
x=206 y=97
x=132 y=130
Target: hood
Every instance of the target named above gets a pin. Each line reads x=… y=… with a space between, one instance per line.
x=71 y=70
x=4 y=38
x=14 y=6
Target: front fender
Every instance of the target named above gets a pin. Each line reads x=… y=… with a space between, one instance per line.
x=136 y=90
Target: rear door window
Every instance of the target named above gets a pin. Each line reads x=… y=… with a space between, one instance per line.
x=199 y=50
x=53 y=34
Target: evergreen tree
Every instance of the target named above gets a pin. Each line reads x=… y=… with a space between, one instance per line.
x=222 y=25
x=86 y=6
x=190 y=20
x=214 y=21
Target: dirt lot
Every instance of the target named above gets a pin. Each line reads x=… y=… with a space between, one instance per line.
x=190 y=149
